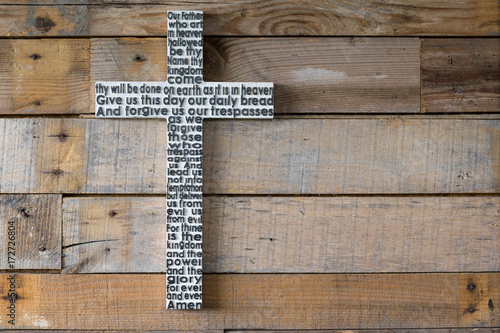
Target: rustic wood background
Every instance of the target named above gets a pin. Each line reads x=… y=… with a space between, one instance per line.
x=372 y=201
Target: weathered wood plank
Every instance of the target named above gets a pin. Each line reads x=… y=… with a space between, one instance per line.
x=39 y=20
x=367 y=75
x=325 y=301
x=290 y=235
x=258 y=18
x=42 y=155
x=435 y=330
x=460 y=75
x=414 y=330
x=30 y=232
x=44 y=76
x=285 y=156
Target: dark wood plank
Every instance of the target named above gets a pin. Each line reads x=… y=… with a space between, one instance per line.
x=254 y=18
x=290 y=235
x=30 y=232
x=460 y=75
x=261 y=301
x=44 y=76
x=36 y=19
x=284 y=156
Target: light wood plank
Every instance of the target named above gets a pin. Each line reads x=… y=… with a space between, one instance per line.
x=86 y=301
x=44 y=76
x=290 y=235
x=37 y=20
x=42 y=155
x=33 y=239
x=284 y=156
x=342 y=75
x=460 y=75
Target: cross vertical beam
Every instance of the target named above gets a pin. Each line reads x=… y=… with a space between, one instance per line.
x=184 y=101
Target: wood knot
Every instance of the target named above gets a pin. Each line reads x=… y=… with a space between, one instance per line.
x=471 y=286
x=61 y=136
x=113 y=213
x=44 y=24
x=490 y=305
x=139 y=58
x=35 y=56
x=24 y=212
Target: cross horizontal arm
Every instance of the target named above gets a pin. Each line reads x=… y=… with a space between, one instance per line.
x=162 y=100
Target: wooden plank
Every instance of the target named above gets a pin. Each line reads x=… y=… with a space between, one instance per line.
x=290 y=235
x=44 y=76
x=324 y=301
x=284 y=156
x=436 y=330
x=460 y=75
x=455 y=330
x=38 y=20
x=257 y=18
x=42 y=155
x=342 y=75
x=30 y=232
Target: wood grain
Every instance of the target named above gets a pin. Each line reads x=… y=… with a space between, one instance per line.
x=87 y=301
x=256 y=18
x=42 y=155
x=44 y=76
x=460 y=75
x=38 y=20
x=290 y=235
x=286 y=156
x=342 y=75
x=36 y=231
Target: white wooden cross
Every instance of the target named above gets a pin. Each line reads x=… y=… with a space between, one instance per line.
x=184 y=100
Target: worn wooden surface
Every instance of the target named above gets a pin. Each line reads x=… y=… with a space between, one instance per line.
x=459 y=330
x=274 y=301
x=461 y=75
x=290 y=235
x=44 y=76
x=255 y=18
x=284 y=156
x=384 y=158
x=343 y=75
x=369 y=75
x=34 y=237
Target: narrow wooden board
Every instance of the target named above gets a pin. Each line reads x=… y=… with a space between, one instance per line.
x=342 y=75
x=284 y=156
x=325 y=301
x=415 y=330
x=38 y=20
x=455 y=330
x=30 y=232
x=257 y=18
x=44 y=76
x=460 y=75
x=290 y=235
